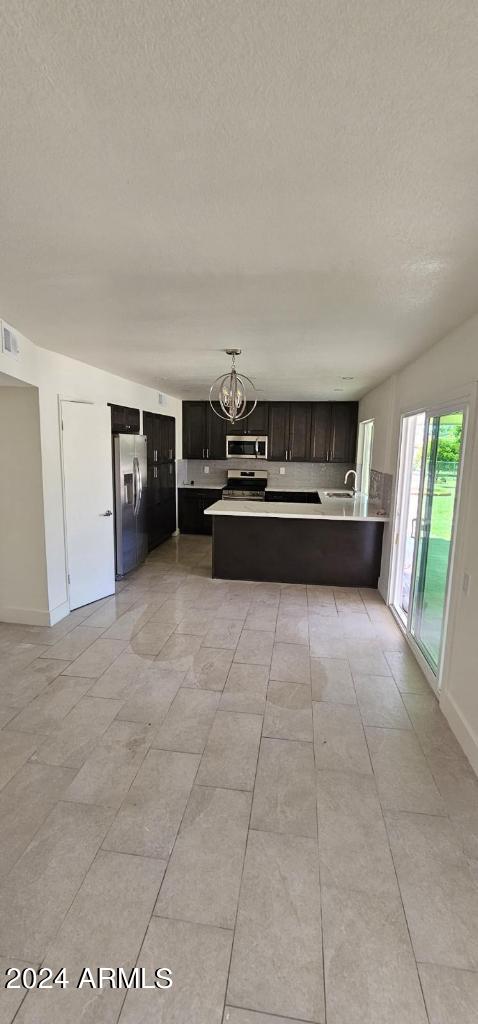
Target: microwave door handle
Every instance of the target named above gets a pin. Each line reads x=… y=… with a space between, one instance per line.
x=257 y=449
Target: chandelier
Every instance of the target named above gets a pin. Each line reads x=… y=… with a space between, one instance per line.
x=229 y=391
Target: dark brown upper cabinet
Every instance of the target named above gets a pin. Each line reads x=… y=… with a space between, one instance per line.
x=257 y=422
x=278 y=431
x=320 y=431
x=124 y=420
x=204 y=433
x=343 y=432
x=297 y=431
x=289 y=431
x=195 y=430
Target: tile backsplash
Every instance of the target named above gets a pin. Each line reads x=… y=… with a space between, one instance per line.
x=297 y=474
x=380 y=488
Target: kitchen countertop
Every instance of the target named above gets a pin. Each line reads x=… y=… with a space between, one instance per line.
x=357 y=509
x=201 y=487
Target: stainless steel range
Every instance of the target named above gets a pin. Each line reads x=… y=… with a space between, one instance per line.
x=245 y=484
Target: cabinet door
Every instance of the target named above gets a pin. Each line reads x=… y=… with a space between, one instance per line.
x=320 y=431
x=194 y=430
x=299 y=431
x=216 y=435
x=171 y=436
x=257 y=422
x=343 y=435
x=278 y=431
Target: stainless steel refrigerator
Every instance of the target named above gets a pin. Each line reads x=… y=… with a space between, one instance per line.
x=131 y=481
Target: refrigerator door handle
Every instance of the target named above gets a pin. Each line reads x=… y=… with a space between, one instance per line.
x=139 y=485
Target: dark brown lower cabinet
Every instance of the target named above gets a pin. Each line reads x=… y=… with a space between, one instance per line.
x=191 y=504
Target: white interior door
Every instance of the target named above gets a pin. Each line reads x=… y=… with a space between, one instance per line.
x=88 y=490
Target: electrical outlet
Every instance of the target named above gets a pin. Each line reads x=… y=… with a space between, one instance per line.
x=282 y=470
x=466 y=583
x=206 y=469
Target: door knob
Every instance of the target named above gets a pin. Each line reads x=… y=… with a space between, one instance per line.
x=107 y=513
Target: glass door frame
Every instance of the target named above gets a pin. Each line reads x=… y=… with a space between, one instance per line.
x=403 y=481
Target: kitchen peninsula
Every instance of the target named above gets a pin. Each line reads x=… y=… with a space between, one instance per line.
x=335 y=542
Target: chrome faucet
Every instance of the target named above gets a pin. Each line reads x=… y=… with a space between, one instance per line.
x=354 y=474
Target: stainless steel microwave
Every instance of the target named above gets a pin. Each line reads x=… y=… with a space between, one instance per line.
x=246 y=446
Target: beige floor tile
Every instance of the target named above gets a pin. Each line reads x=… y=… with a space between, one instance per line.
x=151 y=638
x=16 y=659
x=339 y=738
x=288 y=712
x=204 y=873
x=132 y=621
x=236 y=608
x=292 y=628
x=196 y=623
x=234 y=1016
x=404 y=780
x=11 y=999
x=39 y=889
x=24 y=804
x=370 y=973
x=198 y=956
x=332 y=680
x=96 y=659
x=406 y=672
x=148 y=821
x=6 y=715
x=15 y=749
x=356 y=626
x=117 y=894
x=326 y=637
x=430 y=724
x=366 y=658
x=284 y=793
x=290 y=663
x=262 y=616
x=208 y=669
x=121 y=678
x=380 y=702
x=223 y=633
x=245 y=689
x=107 y=612
x=32 y=681
x=150 y=702
x=45 y=712
x=108 y=772
x=451 y=996
x=74 y=643
x=179 y=651
x=439 y=894
x=230 y=757
x=74 y=739
x=255 y=647
x=276 y=964
x=188 y=722
x=52 y=634
x=354 y=849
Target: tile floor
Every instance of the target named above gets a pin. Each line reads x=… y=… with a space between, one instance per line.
x=250 y=784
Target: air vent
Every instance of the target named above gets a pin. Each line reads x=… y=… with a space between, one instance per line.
x=10 y=343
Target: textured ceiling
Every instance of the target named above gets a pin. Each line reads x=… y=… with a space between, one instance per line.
x=297 y=178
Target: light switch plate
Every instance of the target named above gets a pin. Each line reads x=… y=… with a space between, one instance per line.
x=206 y=469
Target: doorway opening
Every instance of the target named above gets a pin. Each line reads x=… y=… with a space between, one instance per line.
x=431 y=450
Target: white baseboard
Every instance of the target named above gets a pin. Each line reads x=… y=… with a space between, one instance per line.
x=34 y=616
x=467 y=739
x=25 y=616
x=58 y=613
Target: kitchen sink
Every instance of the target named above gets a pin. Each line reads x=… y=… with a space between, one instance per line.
x=339 y=494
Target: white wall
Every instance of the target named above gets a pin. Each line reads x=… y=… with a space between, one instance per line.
x=23 y=582
x=447 y=371
x=57 y=376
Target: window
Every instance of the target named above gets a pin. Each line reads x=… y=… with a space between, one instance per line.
x=364 y=455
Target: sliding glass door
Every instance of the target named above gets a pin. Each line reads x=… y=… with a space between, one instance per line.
x=429 y=473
